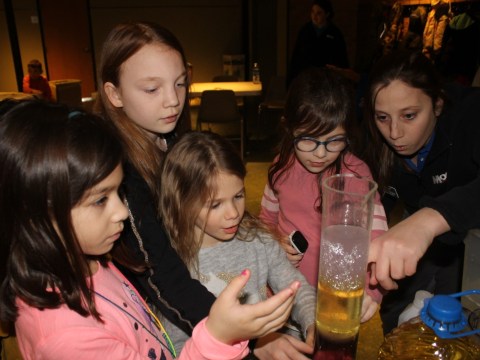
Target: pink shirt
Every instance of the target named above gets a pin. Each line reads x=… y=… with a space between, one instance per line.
x=125 y=334
x=293 y=208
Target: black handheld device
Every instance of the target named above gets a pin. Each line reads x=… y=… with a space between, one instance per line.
x=298 y=241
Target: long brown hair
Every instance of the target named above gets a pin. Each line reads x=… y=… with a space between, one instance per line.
x=121 y=43
x=318 y=101
x=49 y=158
x=415 y=70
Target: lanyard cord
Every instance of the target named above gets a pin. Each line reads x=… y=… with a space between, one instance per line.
x=169 y=346
x=157 y=322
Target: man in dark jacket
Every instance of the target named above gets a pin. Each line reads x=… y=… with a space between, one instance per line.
x=319 y=42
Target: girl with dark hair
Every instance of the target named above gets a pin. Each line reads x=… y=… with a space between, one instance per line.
x=61 y=215
x=423 y=150
x=319 y=121
x=203 y=207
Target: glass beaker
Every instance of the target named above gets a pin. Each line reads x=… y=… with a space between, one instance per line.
x=347 y=213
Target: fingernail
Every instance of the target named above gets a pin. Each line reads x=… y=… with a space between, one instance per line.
x=244 y=272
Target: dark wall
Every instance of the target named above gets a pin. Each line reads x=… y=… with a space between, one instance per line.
x=263 y=30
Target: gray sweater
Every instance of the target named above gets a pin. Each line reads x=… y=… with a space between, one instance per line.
x=267 y=263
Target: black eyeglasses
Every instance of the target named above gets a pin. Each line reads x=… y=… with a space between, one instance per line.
x=308 y=144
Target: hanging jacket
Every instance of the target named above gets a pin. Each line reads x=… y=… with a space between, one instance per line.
x=391 y=34
x=414 y=37
x=437 y=22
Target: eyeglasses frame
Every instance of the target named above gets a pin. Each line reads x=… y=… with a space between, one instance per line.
x=318 y=142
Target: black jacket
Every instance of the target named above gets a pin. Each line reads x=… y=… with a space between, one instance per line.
x=318 y=50
x=450 y=179
x=168 y=285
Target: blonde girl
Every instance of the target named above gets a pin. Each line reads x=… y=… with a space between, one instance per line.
x=203 y=207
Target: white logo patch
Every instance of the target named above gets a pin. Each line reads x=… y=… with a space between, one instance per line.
x=439 y=179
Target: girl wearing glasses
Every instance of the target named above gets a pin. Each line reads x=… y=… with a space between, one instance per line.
x=319 y=126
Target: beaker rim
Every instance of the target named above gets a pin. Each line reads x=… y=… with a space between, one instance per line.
x=372 y=187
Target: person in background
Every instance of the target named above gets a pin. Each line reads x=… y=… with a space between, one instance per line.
x=203 y=208
x=35 y=83
x=319 y=42
x=320 y=124
x=423 y=150
x=143 y=92
x=65 y=296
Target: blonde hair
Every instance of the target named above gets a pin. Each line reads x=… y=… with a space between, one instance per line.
x=188 y=181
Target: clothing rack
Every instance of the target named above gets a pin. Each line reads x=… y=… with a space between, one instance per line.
x=428 y=2
x=457 y=6
x=456 y=55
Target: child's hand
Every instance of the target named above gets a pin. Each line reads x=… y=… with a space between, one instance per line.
x=230 y=322
x=310 y=339
x=276 y=346
x=368 y=308
x=293 y=256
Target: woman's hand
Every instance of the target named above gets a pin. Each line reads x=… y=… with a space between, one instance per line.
x=397 y=251
x=277 y=346
x=231 y=322
x=369 y=306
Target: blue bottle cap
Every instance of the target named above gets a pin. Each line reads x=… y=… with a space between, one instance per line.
x=445 y=309
x=445 y=316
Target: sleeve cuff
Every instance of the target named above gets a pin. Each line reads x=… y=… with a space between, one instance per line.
x=214 y=349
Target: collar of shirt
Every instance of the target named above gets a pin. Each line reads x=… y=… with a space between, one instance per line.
x=421 y=156
x=319 y=30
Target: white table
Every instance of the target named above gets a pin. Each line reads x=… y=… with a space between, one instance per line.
x=240 y=88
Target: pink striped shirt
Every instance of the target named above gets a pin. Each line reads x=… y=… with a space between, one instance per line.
x=293 y=208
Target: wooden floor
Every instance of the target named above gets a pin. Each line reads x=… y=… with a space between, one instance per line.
x=10 y=349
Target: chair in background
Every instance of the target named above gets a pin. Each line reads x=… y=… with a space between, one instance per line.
x=228 y=78
x=219 y=108
x=224 y=78
x=270 y=110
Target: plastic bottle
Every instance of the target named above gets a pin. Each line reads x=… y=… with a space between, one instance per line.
x=440 y=332
x=414 y=308
x=256 y=73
